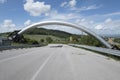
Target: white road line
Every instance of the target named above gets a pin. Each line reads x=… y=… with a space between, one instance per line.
x=41 y=67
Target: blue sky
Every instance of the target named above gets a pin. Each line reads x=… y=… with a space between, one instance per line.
x=101 y=16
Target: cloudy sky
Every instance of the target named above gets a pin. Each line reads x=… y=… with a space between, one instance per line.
x=100 y=16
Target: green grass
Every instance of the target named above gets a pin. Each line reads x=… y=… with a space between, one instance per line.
x=39 y=37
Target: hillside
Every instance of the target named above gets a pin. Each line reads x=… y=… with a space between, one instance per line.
x=39 y=38
x=42 y=31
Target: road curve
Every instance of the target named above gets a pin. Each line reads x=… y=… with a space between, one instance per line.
x=56 y=62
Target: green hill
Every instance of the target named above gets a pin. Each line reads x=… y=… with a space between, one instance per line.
x=42 y=31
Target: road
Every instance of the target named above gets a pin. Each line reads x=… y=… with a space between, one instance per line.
x=57 y=63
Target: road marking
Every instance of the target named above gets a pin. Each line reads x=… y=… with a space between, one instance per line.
x=41 y=67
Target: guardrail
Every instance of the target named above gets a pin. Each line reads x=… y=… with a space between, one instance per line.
x=16 y=47
x=99 y=49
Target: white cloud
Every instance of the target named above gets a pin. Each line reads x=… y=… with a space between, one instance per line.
x=7 y=26
x=28 y=22
x=85 y=8
x=63 y=4
x=112 y=14
x=91 y=22
x=99 y=27
x=111 y=29
x=36 y=8
x=113 y=25
x=103 y=26
x=108 y=20
x=82 y=20
x=90 y=7
x=71 y=4
x=2 y=1
x=102 y=17
x=54 y=15
x=79 y=21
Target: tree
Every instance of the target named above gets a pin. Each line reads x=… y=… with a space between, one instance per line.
x=42 y=40
x=75 y=38
x=49 y=39
x=89 y=40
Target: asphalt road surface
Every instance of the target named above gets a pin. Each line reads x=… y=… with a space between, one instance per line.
x=56 y=62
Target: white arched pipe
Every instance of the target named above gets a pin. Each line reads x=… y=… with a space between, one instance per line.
x=79 y=27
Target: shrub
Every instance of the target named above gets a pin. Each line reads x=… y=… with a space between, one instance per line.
x=42 y=40
x=49 y=39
